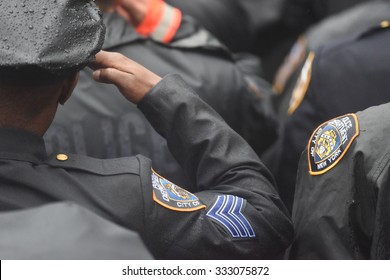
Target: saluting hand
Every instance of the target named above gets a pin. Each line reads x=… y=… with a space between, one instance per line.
x=132 y=79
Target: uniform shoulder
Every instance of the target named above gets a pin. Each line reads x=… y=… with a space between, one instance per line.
x=375 y=120
x=336 y=48
x=123 y=165
x=383 y=26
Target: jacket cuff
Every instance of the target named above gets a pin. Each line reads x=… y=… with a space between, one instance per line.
x=161 y=21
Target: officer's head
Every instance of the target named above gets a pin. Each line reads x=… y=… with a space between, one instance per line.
x=43 y=45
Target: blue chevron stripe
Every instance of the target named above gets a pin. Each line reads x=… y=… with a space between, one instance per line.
x=237 y=213
x=213 y=213
x=227 y=211
x=230 y=206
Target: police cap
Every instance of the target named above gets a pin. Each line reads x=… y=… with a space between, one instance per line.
x=53 y=36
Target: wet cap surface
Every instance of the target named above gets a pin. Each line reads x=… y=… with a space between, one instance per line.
x=55 y=35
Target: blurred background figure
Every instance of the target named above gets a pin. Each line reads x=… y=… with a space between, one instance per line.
x=227 y=20
x=354 y=20
x=102 y=125
x=340 y=77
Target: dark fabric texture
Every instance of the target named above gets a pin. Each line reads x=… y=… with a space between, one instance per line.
x=97 y=121
x=66 y=231
x=55 y=36
x=215 y=159
x=343 y=214
x=347 y=76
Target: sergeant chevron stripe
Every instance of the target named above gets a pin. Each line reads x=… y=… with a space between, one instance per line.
x=227 y=211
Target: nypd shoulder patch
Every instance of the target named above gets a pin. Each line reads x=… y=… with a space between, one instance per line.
x=227 y=211
x=172 y=196
x=330 y=141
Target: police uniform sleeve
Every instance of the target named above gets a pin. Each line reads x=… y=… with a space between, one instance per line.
x=235 y=211
x=340 y=209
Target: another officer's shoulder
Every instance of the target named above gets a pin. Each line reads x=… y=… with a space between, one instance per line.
x=336 y=48
x=337 y=140
x=123 y=165
x=381 y=27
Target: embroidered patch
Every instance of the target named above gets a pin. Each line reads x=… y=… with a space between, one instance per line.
x=227 y=212
x=302 y=85
x=296 y=56
x=330 y=141
x=172 y=196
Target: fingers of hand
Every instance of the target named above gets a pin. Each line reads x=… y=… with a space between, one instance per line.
x=114 y=60
x=111 y=76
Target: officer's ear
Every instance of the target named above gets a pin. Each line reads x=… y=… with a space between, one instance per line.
x=68 y=87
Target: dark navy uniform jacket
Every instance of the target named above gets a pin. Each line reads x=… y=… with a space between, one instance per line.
x=99 y=122
x=343 y=212
x=341 y=77
x=354 y=20
x=301 y=14
x=233 y=211
x=225 y=19
x=66 y=231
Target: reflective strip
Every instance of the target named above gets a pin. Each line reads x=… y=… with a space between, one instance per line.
x=152 y=18
x=168 y=25
x=161 y=22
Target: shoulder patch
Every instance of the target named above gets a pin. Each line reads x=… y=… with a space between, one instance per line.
x=330 y=142
x=173 y=197
x=227 y=211
x=302 y=84
x=296 y=56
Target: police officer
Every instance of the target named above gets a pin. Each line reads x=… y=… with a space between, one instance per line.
x=341 y=77
x=102 y=125
x=356 y=19
x=235 y=212
x=341 y=208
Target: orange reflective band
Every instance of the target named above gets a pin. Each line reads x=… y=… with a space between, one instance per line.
x=168 y=25
x=174 y=26
x=153 y=17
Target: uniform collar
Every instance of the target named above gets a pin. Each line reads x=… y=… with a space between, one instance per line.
x=21 y=145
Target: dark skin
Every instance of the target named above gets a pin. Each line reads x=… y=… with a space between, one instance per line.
x=133 y=80
x=35 y=105
x=35 y=114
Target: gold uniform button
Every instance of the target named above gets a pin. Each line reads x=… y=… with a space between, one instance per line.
x=385 y=24
x=62 y=157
